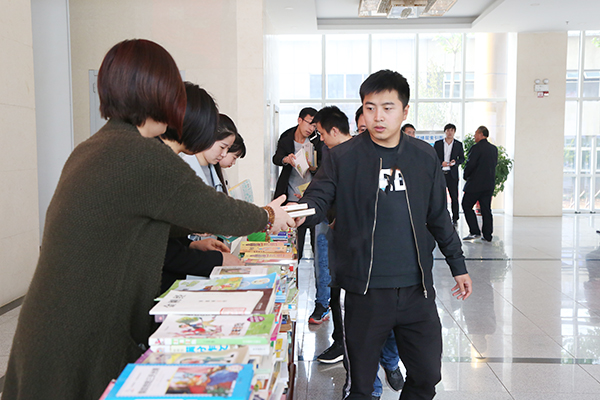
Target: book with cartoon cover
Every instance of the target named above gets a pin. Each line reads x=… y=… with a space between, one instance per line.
x=177 y=381
x=214 y=329
x=237 y=355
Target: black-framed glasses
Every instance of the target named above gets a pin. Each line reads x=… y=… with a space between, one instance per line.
x=310 y=123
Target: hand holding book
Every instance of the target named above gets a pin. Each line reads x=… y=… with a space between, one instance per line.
x=282 y=220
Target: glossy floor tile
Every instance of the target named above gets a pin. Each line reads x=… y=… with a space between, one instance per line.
x=531 y=329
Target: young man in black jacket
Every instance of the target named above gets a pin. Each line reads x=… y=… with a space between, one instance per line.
x=390 y=196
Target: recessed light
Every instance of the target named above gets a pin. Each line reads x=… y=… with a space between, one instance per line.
x=290 y=8
x=534 y=4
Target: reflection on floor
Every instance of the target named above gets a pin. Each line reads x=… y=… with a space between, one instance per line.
x=531 y=329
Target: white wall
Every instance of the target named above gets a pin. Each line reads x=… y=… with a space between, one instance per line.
x=539 y=125
x=19 y=225
x=219 y=45
x=52 y=70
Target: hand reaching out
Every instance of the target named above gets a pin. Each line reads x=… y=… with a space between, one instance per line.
x=209 y=244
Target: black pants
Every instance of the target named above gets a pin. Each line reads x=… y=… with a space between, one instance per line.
x=336 y=315
x=452 y=185
x=301 y=234
x=368 y=321
x=485 y=205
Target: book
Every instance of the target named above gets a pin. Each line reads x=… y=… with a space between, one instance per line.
x=236 y=355
x=253 y=349
x=207 y=302
x=244 y=270
x=214 y=329
x=242 y=191
x=173 y=381
x=264 y=305
x=302 y=164
x=294 y=207
x=302 y=213
x=248 y=246
x=220 y=283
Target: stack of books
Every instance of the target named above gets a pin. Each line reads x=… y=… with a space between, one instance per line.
x=226 y=337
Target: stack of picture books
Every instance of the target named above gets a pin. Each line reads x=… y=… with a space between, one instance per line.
x=225 y=337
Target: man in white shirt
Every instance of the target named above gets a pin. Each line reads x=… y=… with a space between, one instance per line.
x=451 y=154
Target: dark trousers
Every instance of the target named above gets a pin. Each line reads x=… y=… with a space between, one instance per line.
x=368 y=321
x=485 y=205
x=336 y=315
x=301 y=234
x=452 y=185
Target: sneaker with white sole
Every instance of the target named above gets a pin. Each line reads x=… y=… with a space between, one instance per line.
x=333 y=354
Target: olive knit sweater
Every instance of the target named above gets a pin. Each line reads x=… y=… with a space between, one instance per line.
x=101 y=258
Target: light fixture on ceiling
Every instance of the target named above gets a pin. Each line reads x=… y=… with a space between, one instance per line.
x=404 y=8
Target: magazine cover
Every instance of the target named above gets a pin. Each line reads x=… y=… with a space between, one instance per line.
x=158 y=381
x=214 y=329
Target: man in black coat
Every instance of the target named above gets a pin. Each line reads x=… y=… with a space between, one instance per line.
x=303 y=134
x=451 y=154
x=480 y=174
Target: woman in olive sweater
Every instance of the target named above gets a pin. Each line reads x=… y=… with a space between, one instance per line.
x=86 y=312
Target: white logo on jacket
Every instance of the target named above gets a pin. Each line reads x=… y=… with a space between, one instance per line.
x=390 y=180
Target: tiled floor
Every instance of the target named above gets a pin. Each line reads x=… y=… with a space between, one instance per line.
x=531 y=329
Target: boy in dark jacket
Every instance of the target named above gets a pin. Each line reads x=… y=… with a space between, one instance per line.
x=390 y=196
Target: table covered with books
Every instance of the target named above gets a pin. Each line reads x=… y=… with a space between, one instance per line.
x=229 y=336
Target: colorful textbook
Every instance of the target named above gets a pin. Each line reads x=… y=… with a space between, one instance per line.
x=208 y=302
x=237 y=355
x=214 y=329
x=176 y=381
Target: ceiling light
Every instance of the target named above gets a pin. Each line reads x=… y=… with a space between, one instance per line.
x=437 y=8
x=403 y=8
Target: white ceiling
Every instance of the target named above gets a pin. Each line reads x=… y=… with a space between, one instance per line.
x=328 y=16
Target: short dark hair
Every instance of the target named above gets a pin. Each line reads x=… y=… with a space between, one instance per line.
x=225 y=128
x=386 y=80
x=138 y=79
x=450 y=126
x=307 y=111
x=332 y=117
x=407 y=126
x=357 y=115
x=484 y=131
x=200 y=121
x=238 y=147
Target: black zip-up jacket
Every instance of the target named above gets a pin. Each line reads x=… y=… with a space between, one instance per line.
x=350 y=177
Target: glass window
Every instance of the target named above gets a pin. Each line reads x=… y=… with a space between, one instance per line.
x=299 y=63
x=590 y=118
x=347 y=64
x=490 y=114
x=395 y=52
x=591 y=64
x=584 y=193
x=573 y=64
x=569 y=192
x=433 y=116
x=439 y=54
x=487 y=64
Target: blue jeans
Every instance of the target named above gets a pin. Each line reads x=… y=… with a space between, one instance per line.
x=322 y=277
x=389 y=360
